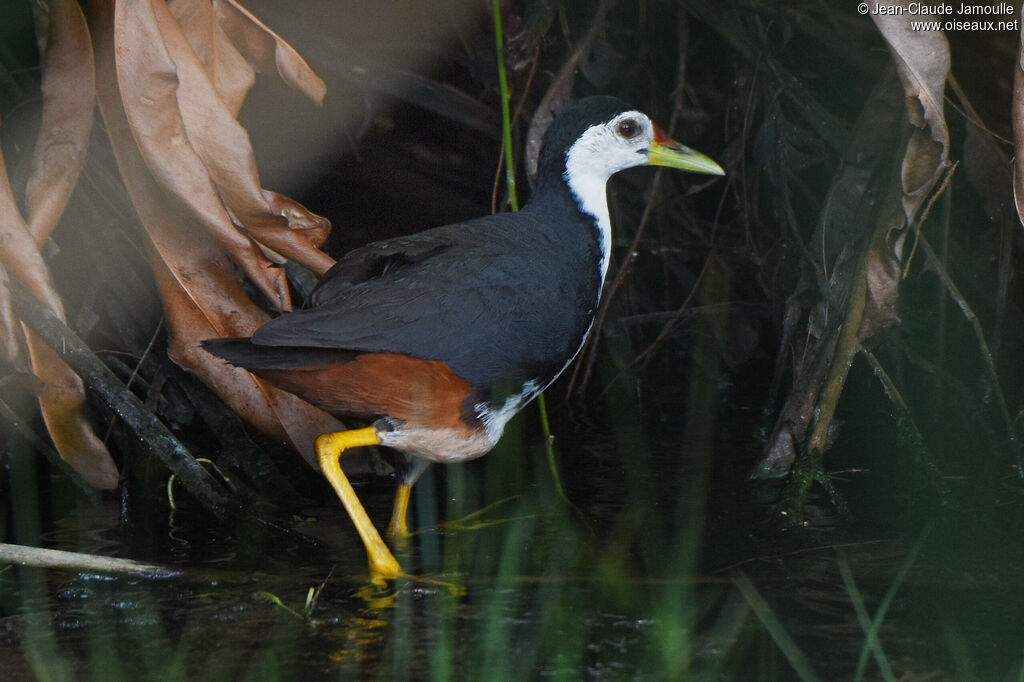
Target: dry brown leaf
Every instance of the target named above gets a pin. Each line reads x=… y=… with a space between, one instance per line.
x=63 y=393
x=148 y=91
x=228 y=71
x=1018 y=128
x=277 y=413
x=159 y=210
x=18 y=251
x=203 y=300
x=201 y=296
x=68 y=100
x=922 y=61
x=266 y=50
x=10 y=328
x=61 y=405
x=224 y=148
x=882 y=274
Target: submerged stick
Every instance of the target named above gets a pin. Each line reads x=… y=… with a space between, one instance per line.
x=846 y=348
x=905 y=424
x=807 y=467
x=76 y=561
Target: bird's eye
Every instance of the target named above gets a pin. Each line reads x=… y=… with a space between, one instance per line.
x=627 y=128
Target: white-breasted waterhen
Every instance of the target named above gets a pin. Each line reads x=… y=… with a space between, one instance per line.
x=442 y=336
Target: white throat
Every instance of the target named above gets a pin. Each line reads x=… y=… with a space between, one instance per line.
x=591 y=193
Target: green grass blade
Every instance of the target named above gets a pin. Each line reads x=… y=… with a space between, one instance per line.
x=883 y=606
x=771 y=623
x=506 y=115
x=865 y=622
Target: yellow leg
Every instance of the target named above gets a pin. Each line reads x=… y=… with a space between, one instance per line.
x=398 y=529
x=329 y=448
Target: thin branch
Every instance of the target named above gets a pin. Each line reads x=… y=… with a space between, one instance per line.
x=123 y=402
x=76 y=561
x=993 y=376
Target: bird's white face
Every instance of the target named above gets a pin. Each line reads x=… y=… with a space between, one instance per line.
x=607 y=148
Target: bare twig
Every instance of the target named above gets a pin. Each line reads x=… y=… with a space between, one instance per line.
x=986 y=354
x=76 y=561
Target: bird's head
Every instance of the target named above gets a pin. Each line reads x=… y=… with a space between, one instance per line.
x=597 y=137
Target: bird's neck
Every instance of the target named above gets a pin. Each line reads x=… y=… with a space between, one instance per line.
x=584 y=196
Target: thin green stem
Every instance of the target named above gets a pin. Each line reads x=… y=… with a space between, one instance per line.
x=875 y=626
x=870 y=628
x=549 y=446
x=773 y=626
x=506 y=114
x=513 y=202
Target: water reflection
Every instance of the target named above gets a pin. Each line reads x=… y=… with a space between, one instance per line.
x=521 y=588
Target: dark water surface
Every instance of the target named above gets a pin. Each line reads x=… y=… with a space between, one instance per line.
x=660 y=571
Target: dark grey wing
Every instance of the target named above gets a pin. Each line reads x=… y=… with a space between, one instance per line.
x=376 y=260
x=464 y=304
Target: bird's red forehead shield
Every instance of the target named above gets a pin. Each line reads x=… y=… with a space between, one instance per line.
x=660 y=136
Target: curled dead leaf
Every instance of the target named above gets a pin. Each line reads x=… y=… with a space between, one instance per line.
x=215 y=306
x=923 y=63
x=149 y=83
x=266 y=50
x=63 y=395
x=56 y=162
x=9 y=327
x=61 y=404
x=1018 y=128
x=228 y=71
x=223 y=146
x=68 y=88
x=18 y=251
x=201 y=295
x=882 y=275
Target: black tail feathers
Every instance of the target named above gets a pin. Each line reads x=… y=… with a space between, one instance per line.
x=242 y=352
